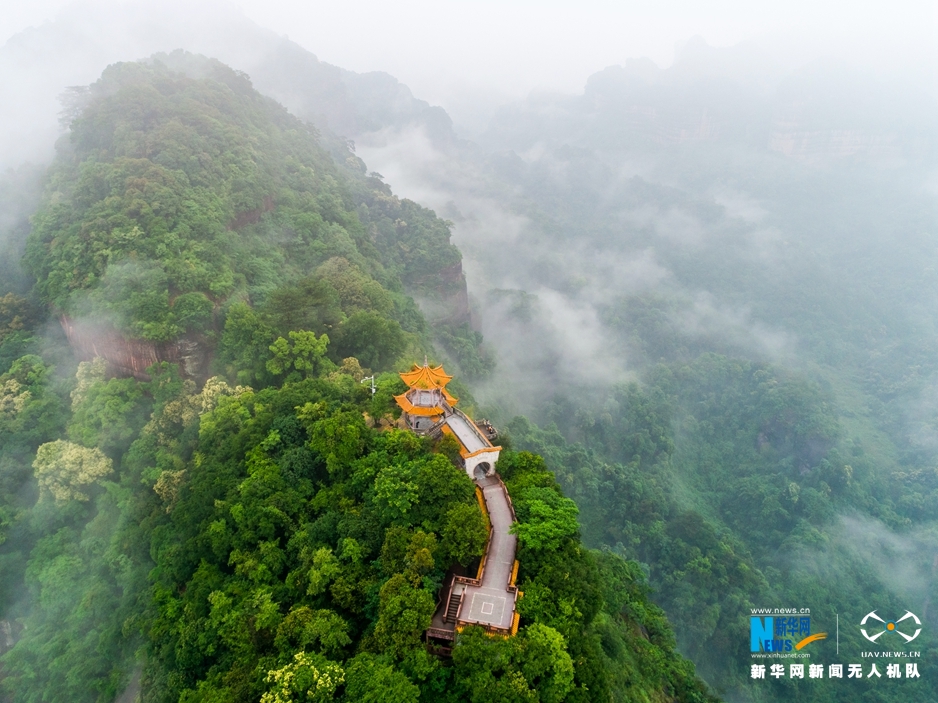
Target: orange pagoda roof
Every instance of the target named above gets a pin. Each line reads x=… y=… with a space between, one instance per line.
x=426 y=377
x=409 y=407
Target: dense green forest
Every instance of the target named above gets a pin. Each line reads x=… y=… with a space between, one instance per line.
x=263 y=532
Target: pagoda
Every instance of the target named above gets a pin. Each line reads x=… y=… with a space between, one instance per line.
x=429 y=409
x=426 y=401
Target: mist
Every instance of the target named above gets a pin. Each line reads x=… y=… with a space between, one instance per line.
x=641 y=197
x=468 y=58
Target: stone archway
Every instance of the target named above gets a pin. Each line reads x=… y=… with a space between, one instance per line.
x=484 y=459
x=481 y=470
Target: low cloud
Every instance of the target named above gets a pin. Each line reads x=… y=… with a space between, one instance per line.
x=735 y=327
x=904 y=563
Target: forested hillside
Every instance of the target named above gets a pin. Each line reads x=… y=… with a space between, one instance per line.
x=177 y=199
x=254 y=525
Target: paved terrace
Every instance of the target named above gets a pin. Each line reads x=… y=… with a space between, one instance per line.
x=491 y=602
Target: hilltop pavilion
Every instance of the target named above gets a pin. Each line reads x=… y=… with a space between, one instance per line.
x=429 y=409
x=426 y=401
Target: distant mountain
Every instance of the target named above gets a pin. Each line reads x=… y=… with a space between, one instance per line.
x=820 y=113
x=37 y=65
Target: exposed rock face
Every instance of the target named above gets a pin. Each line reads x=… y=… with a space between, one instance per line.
x=455 y=293
x=252 y=217
x=8 y=635
x=132 y=357
x=449 y=302
x=813 y=146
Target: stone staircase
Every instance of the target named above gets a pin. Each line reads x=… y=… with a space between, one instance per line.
x=452 y=609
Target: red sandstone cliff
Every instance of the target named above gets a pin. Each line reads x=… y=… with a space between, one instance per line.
x=132 y=357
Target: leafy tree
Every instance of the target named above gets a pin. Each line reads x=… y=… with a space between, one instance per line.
x=324 y=569
x=304 y=627
x=370 y=679
x=340 y=437
x=396 y=491
x=87 y=374
x=107 y=414
x=403 y=616
x=375 y=340
x=304 y=352
x=66 y=471
x=486 y=672
x=465 y=533
x=356 y=291
x=16 y=314
x=309 y=678
x=309 y=304
x=545 y=663
x=193 y=311
x=245 y=344
x=465 y=344
x=545 y=517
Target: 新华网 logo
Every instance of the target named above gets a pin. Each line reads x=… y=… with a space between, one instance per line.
x=890 y=626
x=781 y=634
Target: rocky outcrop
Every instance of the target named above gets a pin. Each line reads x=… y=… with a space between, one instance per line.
x=9 y=634
x=449 y=302
x=252 y=217
x=819 y=145
x=132 y=357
